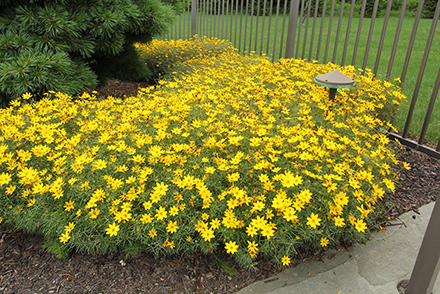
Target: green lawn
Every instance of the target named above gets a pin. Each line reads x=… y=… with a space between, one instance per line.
x=220 y=26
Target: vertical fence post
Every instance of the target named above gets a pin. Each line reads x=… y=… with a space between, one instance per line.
x=291 y=30
x=338 y=31
x=313 y=29
x=329 y=32
x=324 y=7
x=382 y=36
x=358 y=36
x=309 y=5
x=282 y=30
x=396 y=39
x=421 y=71
x=427 y=264
x=193 y=18
x=276 y=31
x=370 y=35
x=299 y=30
x=347 y=34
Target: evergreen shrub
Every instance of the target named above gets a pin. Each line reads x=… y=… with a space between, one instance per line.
x=70 y=45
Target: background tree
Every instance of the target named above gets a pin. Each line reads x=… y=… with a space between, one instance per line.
x=72 y=45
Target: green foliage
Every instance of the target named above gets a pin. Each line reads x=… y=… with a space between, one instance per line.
x=70 y=45
x=56 y=248
x=369 y=8
x=225 y=266
x=429 y=8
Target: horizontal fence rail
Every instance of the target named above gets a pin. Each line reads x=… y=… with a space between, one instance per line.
x=326 y=31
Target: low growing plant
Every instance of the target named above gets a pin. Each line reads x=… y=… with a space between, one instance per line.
x=163 y=58
x=241 y=155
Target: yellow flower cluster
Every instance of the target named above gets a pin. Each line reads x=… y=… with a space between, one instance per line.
x=164 y=57
x=250 y=155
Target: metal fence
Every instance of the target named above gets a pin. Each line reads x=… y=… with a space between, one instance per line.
x=279 y=29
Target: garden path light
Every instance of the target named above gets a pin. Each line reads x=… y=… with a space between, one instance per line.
x=334 y=80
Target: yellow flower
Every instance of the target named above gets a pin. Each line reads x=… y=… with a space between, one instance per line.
x=233 y=177
x=126 y=206
x=161 y=189
x=215 y=223
x=168 y=244
x=339 y=221
x=39 y=188
x=5 y=178
x=360 y=225
x=231 y=247
x=146 y=218
x=69 y=227
x=305 y=196
x=40 y=150
x=99 y=164
x=352 y=219
x=112 y=229
x=313 y=221
x=324 y=242
x=290 y=214
x=174 y=211
x=28 y=176
x=147 y=205
x=252 y=246
x=122 y=215
x=172 y=227
x=64 y=238
x=390 y=184
x=269 y=214
x=364 y=212
x=156 y=151
x=285 y=260
x=10 y=190
x=31 y=202
x=152 y=233
x=207 y=234
x=72 y=181
x=26 y=96
x=267 y=231
x=130 y=180
x=68 y=206
x=290 y=180
x=161 y=213
x=139 y=158
x=94 y=213
x=258 y=206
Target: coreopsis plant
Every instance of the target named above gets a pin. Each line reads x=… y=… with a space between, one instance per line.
x=165 y=58
x=241 y=155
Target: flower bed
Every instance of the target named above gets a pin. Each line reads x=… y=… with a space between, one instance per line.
x=165 y=58
x=242 y=155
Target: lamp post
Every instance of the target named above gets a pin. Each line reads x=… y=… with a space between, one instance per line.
x=334 y=80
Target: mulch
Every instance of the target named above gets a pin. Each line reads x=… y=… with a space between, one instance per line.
x=25 y=266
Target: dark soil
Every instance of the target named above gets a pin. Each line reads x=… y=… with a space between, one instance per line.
x=25 y=266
